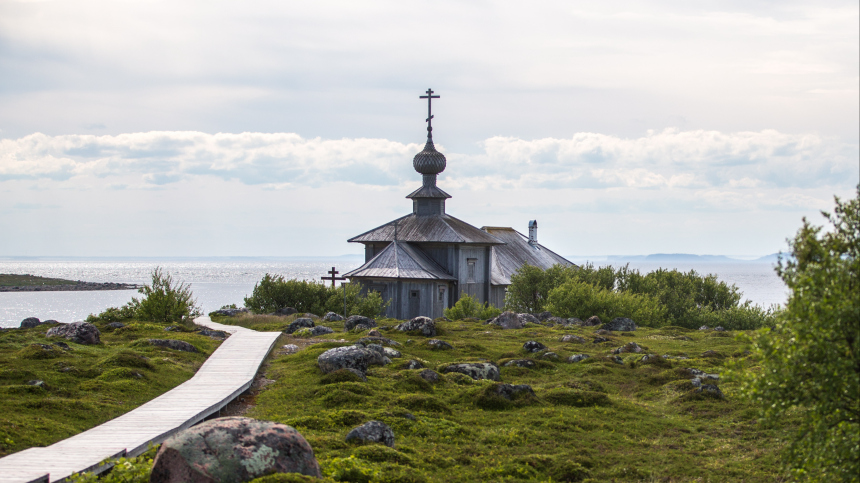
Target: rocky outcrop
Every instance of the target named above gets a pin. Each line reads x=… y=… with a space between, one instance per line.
x=30 y=322
x=349 y=357
x=177 y=345
x=533 y=346
x=512 y=391
x=508 y=320
x=372 y=432
x=79 y=332
x=621 y=324
x=423 y=325
x=332 y=317
x=299 y=323
x=355 y=320
x=233 y=449
x=475 y=370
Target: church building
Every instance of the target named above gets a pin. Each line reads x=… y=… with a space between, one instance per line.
x=422 y=262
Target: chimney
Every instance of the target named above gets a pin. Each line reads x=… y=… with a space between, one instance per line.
x=533 y=232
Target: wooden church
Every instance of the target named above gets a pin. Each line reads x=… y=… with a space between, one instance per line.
x=423 y=261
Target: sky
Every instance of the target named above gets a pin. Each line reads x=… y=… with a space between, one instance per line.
x=264 y=128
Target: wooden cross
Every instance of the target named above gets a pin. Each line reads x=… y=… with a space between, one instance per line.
x=333 y=272
x=429 y=98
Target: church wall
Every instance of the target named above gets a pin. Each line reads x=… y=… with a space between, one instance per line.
x=473 y=269
x=497 y=295
x=399 y=293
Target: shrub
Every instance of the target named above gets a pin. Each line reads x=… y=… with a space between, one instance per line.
x=115 y=314
x=165 y=301
x=273 y=292
x=468 y=306
x=582 y=300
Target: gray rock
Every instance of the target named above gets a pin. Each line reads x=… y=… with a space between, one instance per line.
x=425 y=325
x=374 y=333
x=511 y=391
x=651 y=357
x=578 y=357
x=377 y=340
x=215 y=334
x=233 y=449
x=299 y=323
x=332 y=317
x=429 y=375
x=573 y=338
x=177 y=345
x=116 y=325
x=78 y=332
x=37 y=383
x=710 y=388
x=598 y=340
x=372 y=432
x=291 y=348
x=30 y=322
x=629 y=348
x=592 y=321
x=439 y=344
x=616 y=359
x=556 y=321
x=349 y=357
x=508 y=320
x=63 y=345
x=543 y=316
x=704 y=327
x=533 y=346
x=354 y=320
x=284 y=311
x=231 y=312
x=391 y=353
x=719 y=329
x=475 y=370
x=552 y=356
x=575 y=321
x=521 y=363
x=526 y=318
x=413 y=364
x=320 y=330
x=621 y=324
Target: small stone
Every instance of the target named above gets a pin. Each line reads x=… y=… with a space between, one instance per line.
x=439 y=344
x=63 y=345
x=620 y=324
x=510 y=391
x=291 y=348
x=578 y=357
x=475 y=370
x=413 y=364
x=215 y=334
x=711 y=353
x=429 y=375
x=628 y=348
x=603 y=332
x=650 y=358
x=372 y=432
x=533 y=346
x=37 y=383
x=332 y=317
x=575 y=321
x=551 y=356
x=704 y=327
x=391 y=353
x=573 y=338
x=719 y=329
x=374 y=333
x=712 y=389
x=354 y=320
x=598 y=340
x=616 y=359
x=521 y=363
x=593 y=320
x=116 y=325
x=177 y=345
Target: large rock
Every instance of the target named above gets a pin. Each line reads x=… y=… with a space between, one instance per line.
x=543 y=316
x=425 y=325
x=233 y=449
x=592 y=321
x=524 y=318
x=508 y=320
x=332 y=317
x=475 y=370
x=299 y=323
x=30 y=322
x=621 y=324
x=512 y=391
x=177 y=345
x=354 y=320
x=533 y=346
x=372 y=432
x=349 y=357
x=80 y=332
x=320 y=330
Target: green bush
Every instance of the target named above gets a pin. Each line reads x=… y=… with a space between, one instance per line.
x=165 y=301
x=115 y=314
x=468 y=306
x=274 y=292
x=582 y=300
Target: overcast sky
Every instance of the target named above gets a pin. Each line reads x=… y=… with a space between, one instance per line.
x=145 y=128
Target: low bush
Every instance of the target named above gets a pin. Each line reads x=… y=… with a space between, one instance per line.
x=468 y=307
x=582 y=300
x=274 y=292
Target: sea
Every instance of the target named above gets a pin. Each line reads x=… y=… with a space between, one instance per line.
x=219 y=282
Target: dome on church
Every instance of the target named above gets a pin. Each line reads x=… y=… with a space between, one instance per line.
x=429 y=161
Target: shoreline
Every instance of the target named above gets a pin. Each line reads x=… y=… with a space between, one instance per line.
x=71 y=287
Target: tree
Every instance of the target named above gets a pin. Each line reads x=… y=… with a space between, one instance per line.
x=810 y=361
x=164 y=300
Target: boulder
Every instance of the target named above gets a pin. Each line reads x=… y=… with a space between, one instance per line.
x=525 y=318
x=718 y=328
x=413 y=364
x=629 y=348
x=533 y=346
x=177 y=345
x=543 y=316
x=374 y=333
x=512 y=391
x=349 y=357
x=573 y=338
x=332 y=317
x=521 y=363
x=63 y=345
x=704 y=327
x=578 y=357
x=372 y=432
x=592 y=321
x=429 y=375
x=116 y=325
x=439 y=344
x=475 y=370
x=425 y=325
x=391 y=353
x=552 y=356
x=299 y=323
x=286 y=311
x=30 y=322
x=556 y=321
x=575 y=321
x=354 y=320
x=215 y=334
x=233 y=449
x=79 y=332
x=377 y=340
x=290 y=348
x=621 y=324
x=318 y=330
x=507 y=320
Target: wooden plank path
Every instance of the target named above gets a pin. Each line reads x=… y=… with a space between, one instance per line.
x=228 y=372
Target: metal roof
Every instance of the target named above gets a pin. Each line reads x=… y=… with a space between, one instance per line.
x=516 y=252
x=401 y=260
x=428 y=229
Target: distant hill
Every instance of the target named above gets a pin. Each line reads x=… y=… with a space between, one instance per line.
x=672 y=258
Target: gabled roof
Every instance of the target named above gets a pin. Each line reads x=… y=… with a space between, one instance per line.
x=400 y=260
x=427 y=229
x=516 y=252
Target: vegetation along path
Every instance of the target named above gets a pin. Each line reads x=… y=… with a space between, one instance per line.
x=225 y=375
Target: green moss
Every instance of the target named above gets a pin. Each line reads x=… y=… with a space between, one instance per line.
x=340 y=375
x=285 y=478
x=39 y=351
x=412 y=382
x=379 y=453
x=126 y=359
x=576 y=398
x=419 y=402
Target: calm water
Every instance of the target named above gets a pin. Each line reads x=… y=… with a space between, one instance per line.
x=218 y=283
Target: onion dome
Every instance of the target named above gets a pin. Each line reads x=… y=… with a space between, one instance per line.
x=429 y=161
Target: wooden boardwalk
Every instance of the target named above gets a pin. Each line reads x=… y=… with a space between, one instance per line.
x=228 y=372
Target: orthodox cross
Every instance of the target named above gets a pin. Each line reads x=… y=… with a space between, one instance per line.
x=429 y=98
x=333 y=272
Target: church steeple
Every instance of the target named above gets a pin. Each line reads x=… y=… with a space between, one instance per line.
x=429 y=200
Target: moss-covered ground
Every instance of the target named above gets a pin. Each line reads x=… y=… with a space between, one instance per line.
x=595 y=420
x=84 y=385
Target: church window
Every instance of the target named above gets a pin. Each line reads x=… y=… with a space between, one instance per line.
x=470 y=270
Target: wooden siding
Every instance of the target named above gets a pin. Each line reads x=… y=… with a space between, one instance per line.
x=398 y=293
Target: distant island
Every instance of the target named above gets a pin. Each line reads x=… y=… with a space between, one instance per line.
x=676 y=257
x=10 y=282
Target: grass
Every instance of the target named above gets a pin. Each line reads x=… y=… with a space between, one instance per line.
x=14 y=280
x=595 y=420
x=87 y=384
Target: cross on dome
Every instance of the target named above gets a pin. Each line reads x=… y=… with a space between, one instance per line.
x=429 y=119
